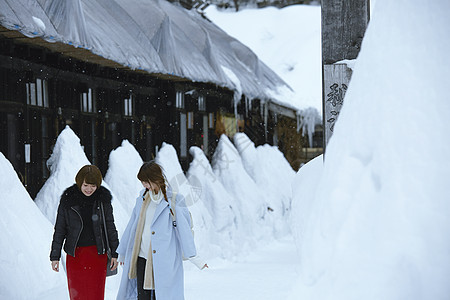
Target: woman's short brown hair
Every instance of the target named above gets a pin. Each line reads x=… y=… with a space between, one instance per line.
x=89 y=174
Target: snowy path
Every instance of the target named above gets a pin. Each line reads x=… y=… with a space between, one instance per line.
x=268 y=273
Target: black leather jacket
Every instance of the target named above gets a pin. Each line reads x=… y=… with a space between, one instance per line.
x=69 y=223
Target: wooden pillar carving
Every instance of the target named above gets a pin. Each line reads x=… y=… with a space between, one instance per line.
x=343 y=26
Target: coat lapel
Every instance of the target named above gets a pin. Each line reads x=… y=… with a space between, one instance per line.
x=159 y=209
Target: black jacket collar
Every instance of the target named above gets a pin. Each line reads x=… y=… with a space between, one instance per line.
x=71 y=196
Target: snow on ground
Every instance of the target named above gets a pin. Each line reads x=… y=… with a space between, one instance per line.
x=292 y=48
x=268 y=273
x=376 y=221
x=121 y=177
x=223 y=203
x=25 y=271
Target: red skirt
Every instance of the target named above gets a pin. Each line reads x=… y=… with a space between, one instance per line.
x=86 y=274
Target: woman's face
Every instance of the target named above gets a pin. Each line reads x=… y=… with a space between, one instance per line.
x=88 y=189
x=151 y=186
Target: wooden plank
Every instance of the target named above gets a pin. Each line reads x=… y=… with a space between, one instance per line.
x=279 y=109
x=343 y=26
x=50 y=72
x=335 y=82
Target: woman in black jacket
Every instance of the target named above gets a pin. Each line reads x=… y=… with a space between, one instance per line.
x=79 y=224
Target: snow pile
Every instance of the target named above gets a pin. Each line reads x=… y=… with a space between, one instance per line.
x=247 y=200
x=67 y=158
x=304 y=187
x=376 y=222
x=167 y=158
x=272 y=174
x=192 y=191
x=124 y=164
x=25 y=240
x=221 y=237
x=229 y=209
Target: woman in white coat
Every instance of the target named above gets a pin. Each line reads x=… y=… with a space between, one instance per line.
x=153 y=244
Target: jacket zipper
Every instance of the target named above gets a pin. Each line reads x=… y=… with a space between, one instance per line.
x=101 y=226
x=82 y=225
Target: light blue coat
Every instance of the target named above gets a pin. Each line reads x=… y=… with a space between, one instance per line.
x=170 y=244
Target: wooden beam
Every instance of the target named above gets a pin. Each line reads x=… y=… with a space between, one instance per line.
x=279 y=109
x=343 y=26
x=50 y=72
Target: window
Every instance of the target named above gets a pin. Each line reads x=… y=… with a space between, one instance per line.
x=205 y=134
x=211 y=120
x=190 y=124
x=201 y=103
x=179 y=100
x=37 y=93
x=87 y=102
x=183 y=135
x=31 y=93
x=128 y=106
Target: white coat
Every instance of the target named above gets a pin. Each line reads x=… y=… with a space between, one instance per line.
x=170 y=244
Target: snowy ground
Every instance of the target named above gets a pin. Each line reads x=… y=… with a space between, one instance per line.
x=268 y=273
x=228 y=198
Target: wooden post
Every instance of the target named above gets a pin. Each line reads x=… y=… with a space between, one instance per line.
x=343 y=26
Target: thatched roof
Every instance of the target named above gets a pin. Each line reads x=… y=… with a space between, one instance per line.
x=154 y=36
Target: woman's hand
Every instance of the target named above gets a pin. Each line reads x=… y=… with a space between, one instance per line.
x=114 y=263
x=55 y=265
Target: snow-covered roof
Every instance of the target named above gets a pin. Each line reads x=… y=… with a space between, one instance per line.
x=155 y=36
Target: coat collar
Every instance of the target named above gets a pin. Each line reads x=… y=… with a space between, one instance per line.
x=161 y=206
x=71 y=196
x=159 y=209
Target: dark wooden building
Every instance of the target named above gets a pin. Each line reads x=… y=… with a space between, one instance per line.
x=42 y=91
x=47 y=83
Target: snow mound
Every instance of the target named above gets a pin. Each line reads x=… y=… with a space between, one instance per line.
x=167 y=158
x=64 y=163
x=247 y=200
x=218 y=217
x=378 y=223
x=66 y=160
x=25 y=239
x=124 y=164
x=304 y=187
x=273 y=175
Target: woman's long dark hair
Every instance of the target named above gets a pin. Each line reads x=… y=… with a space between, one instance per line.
x=152 y=172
